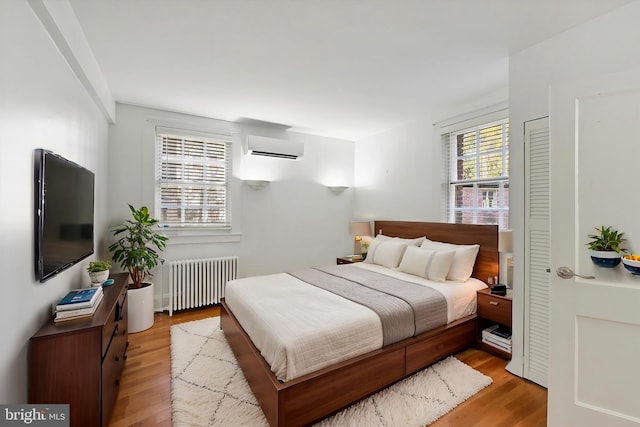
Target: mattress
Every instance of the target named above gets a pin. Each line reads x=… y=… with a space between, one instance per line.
x=299 y=328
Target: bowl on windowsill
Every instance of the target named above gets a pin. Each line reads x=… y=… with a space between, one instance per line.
x=632 y=263
x=606 y=259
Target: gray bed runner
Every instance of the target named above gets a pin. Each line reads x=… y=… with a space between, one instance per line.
x=405 y=309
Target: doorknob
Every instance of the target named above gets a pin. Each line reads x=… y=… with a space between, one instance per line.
x=567 y=273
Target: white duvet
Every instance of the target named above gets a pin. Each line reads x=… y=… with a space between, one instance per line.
x=300 y=328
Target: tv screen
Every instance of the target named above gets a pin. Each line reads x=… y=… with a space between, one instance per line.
x=64 y=193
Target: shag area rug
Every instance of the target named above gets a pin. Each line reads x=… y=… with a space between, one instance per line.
x=209 y=389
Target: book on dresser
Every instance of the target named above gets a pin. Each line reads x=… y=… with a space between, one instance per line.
x=78 y=313
x=497 y=336
x=501 y=333
x=497 y=344
x=79 y=298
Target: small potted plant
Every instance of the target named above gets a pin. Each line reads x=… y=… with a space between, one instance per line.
x=364 y=248
x=98 y=271
x=134 y=251
x=605 y=246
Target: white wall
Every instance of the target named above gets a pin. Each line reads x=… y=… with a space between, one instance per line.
x=397 y=174
x=42 y=105
x=606 y=44
x=294 y=222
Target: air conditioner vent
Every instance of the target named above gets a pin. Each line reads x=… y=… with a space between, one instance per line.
x=273 y=147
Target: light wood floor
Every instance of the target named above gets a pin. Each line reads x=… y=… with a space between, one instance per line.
x=145 y=388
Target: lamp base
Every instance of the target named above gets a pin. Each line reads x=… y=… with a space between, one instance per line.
x=357 y=246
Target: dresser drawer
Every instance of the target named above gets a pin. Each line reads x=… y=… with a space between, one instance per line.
x=111 y=371
x=494 y=308
x=115 y=323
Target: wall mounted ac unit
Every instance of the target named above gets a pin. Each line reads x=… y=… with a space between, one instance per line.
x=272 y=147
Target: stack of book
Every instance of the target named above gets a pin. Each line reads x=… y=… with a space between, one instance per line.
x=498 y=336
x=78 y=304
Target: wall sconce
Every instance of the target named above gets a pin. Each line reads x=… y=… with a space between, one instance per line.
x=337 y=189
x=359 y=229
x=505 y=246
x=256 y=184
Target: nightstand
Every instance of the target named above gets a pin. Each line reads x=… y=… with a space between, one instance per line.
x=349 y=259
x=493 y=309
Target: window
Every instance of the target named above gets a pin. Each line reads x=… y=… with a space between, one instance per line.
x=477 y=175
x=193 y=171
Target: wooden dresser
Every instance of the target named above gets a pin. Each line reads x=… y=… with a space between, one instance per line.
x=80 y=362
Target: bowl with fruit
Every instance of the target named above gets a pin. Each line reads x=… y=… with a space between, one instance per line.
x=632 y=263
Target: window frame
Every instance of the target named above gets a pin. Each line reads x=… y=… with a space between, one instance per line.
x=214 y=136
x=500 y=184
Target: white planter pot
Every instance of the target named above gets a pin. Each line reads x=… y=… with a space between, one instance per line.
x=140 y=308
x=98 y=277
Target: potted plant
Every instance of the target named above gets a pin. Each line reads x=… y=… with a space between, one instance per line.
x=134 y=251
x=364 y=248
x=605 y=246
x=98 y=271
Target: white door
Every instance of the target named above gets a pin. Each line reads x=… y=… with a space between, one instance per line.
x=536 y=306
x=594 y=363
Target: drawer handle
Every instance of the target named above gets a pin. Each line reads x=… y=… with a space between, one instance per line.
x=494 y=303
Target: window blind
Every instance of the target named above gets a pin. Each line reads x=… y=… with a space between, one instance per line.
x=193 y=170
x=476 y=177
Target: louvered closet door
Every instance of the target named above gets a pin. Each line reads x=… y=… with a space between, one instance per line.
x=536 y=329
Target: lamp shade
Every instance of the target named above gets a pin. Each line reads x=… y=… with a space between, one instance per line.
x=505 y=241
x=361 y=228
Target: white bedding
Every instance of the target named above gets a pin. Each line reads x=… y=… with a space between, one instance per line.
x=300 y=328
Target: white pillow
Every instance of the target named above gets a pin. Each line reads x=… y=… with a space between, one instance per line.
x=385 y=253
x=413 y=242
x=463 y=261
x=430 y=264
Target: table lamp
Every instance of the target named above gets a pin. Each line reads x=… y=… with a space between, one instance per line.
x=359 y=229
x=505 y=246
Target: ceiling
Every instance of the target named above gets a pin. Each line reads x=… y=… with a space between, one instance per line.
x=339 y=68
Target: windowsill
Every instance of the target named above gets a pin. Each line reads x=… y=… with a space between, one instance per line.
x=188 y=236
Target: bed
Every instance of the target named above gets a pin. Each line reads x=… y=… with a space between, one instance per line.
x=305 y=397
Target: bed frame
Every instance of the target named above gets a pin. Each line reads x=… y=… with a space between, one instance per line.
x=319 y=394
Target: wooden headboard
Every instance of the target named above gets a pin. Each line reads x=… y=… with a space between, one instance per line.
x=487 y=262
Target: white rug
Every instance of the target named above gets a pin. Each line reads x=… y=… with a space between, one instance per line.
x=209 y=389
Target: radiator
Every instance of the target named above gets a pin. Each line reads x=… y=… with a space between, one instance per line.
x=199 y=282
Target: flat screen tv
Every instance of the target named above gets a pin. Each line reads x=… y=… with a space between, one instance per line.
x=64 y=194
